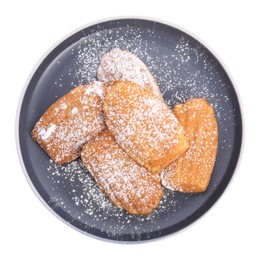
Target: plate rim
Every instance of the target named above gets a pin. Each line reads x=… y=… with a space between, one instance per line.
x=95 y=23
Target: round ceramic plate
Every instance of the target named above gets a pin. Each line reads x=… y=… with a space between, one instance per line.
x=184 y=69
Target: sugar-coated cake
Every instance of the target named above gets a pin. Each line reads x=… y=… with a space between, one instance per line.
x=70 y=122
x=128 y=185
x=143 y=125
x=192 y=171
x=123 y=65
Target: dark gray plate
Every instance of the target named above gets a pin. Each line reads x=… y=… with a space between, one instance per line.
x=184 y=69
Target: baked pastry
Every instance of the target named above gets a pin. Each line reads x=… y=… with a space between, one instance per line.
x=70 y=122
x=143 y=125
x=128 y=185
x=123 y=65
x=192 y=171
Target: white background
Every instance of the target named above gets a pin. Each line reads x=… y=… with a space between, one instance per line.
x=230 y=229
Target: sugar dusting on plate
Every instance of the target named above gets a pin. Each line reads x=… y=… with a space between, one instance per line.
x=89 y=202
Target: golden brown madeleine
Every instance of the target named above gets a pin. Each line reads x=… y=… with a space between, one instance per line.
x=128 y=185
x=70 y=122
x=123 y=65
x=143 y=125
x=191 y=172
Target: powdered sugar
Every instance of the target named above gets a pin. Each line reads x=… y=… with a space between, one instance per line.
x=97 y=88
x=74 y=110
x=46 y=133
x=77 y=194
x=182 y=72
